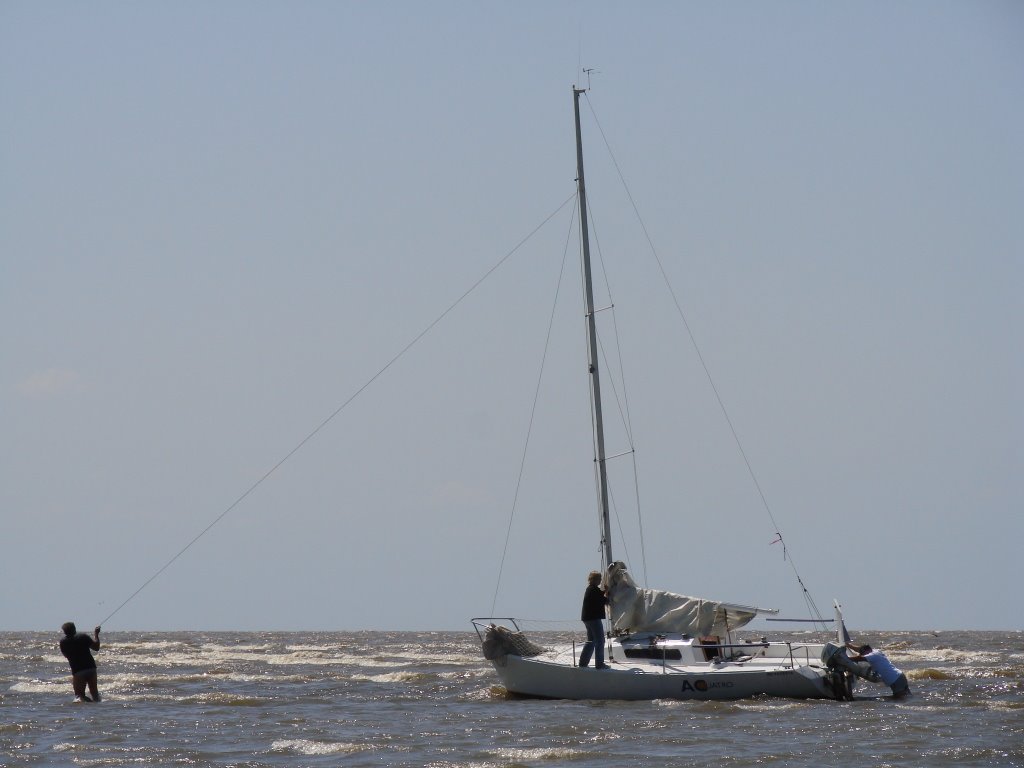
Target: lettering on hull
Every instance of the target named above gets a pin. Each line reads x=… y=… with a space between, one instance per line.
x=703 y=686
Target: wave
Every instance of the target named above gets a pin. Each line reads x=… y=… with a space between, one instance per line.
x=489 y=693
x=150 y=645
x=451 y=659
x=1016 y=672
x=930 y=674
x=1011 y=706
x=946 y=655
x=312 y=748
x=224 y=700
x=465 y=674
x=39 y=686
x=220 y=659
x=404 y=676
x=527 y=755
x=318 y=659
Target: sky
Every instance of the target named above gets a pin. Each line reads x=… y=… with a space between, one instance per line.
x=223 y=224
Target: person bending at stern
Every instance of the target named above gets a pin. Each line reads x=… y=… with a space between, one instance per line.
x=879 y=662
x=76 y=647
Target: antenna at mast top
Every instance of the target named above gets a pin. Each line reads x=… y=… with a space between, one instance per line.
x=587 y=72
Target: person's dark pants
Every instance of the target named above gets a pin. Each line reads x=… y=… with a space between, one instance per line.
x=82 y=678
x=901 y=687
x=595 y=643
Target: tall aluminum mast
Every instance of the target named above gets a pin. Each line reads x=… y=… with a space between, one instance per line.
x=595 y=379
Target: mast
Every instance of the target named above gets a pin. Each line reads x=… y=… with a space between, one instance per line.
x=595 y=379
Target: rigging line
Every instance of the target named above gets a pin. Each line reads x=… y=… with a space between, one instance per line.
x=640 y=519
x=533 y=409
x=342 y=407
x=620 y=404
x=629 y=432
x=618 y=520
x=700 y=356
x=623 y=406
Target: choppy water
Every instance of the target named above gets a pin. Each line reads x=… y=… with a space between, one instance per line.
x=428 y=699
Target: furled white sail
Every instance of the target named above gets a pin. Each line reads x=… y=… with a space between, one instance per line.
x=635 y=609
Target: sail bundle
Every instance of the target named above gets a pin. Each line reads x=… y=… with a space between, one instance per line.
x=636 y=609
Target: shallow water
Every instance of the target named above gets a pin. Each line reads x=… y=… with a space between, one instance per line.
x=428 y=699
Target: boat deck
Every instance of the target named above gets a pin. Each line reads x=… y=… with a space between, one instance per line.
x=667 y=655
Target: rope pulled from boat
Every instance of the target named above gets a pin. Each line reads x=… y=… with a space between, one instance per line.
x=494 y=268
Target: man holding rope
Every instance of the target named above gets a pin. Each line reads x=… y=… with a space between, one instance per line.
x=76 y=647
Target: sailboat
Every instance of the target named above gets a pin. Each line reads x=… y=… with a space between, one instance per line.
x=660 y=645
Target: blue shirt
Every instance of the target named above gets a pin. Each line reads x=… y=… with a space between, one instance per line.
x=881 y=664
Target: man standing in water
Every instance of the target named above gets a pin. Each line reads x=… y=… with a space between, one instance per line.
x=76 y=647
x=879 y=662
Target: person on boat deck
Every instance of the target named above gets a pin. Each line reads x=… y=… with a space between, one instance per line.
x=76 y=647
x=879 y=662
x=594 y=601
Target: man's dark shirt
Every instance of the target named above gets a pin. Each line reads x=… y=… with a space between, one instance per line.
x=594 y=602
x=77 y=651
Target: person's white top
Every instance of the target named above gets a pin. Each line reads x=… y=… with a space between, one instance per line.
x=881 y=664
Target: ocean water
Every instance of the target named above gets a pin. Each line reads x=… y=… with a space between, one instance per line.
x=428 y=699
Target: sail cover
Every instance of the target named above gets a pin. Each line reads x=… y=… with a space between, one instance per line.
x=634 y=609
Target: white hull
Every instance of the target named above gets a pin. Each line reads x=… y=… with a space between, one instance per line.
x=777 y=670
x=543 y=679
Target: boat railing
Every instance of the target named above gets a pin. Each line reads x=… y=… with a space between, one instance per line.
x=806 y=648
x=482 y=624
x=761 y=644
x=793 y=652
x=722 y=649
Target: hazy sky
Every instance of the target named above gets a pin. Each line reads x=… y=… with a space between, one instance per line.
x=218 y=221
